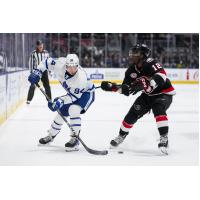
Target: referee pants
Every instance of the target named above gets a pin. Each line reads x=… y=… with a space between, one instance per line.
x=45 y=81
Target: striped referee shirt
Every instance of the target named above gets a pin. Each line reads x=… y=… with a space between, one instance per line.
x=36 y=58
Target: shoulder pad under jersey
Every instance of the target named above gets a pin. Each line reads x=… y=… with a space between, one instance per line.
x=62 y=60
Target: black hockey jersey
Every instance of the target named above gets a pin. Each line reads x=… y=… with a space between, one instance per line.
x=151 y=70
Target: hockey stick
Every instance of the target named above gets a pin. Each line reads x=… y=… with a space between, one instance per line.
x=92 y=151
x=97 y=87
x=100 y=86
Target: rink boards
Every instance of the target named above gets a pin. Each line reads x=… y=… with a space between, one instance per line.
x=13 y=89
x=182 y=76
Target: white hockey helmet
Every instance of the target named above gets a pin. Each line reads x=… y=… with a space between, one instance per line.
x=72 y=60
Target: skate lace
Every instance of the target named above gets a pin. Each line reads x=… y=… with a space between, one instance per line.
x=72 y=140
x=119 y=139
x=47 y=138
x=163 y=139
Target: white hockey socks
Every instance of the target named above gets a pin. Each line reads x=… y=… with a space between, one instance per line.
x=56 y=125
x=75 y=119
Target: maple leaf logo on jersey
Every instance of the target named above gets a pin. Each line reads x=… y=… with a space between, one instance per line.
x=133 y=75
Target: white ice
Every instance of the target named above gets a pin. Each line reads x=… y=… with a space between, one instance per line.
x=19 y=135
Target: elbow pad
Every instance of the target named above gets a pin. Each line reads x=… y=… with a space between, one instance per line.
x=157 y=80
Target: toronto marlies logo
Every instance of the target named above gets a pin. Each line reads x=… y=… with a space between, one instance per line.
x=133 y=75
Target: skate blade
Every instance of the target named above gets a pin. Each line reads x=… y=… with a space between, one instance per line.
x=113 y=147
x=67 y=149
x=164 y=150
x=43 y=145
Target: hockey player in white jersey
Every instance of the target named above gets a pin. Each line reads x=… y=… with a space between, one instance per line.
x=80 y=95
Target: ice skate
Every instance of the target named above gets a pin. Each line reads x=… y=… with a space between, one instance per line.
x=163 y=144
x=46 y=140
x=117 y=141
x=72 y=145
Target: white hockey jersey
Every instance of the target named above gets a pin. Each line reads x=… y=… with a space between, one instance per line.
x=75 y=85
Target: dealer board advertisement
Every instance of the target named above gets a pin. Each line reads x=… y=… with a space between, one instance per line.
x=118 y=74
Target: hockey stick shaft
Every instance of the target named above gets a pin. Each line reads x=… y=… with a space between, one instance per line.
x=100 y=86
x=92 y=151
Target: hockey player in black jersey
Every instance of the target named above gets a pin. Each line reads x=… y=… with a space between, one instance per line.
x=147 y=75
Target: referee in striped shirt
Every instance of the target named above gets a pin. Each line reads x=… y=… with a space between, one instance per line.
x=38 y=55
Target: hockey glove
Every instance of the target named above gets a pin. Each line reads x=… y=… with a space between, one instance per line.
x=35 y=76
x=145 y=84
x=109 y=86
x=125 y=89
x=135 y=87
x=56 y=104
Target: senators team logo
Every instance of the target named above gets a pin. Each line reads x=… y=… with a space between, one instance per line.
x=133 y=75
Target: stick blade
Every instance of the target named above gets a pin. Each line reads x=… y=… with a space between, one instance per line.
x=97 y=152
x=92 y=151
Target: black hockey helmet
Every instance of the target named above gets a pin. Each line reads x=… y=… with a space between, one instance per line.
x=143 y=48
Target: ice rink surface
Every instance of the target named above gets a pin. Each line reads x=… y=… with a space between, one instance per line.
x=19 y=135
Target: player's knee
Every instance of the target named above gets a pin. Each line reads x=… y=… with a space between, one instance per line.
x=159 y=109
x=74 y=110
x=135 y=113
x=58 y=119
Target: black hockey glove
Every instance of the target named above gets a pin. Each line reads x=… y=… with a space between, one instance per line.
x=136 y=87
x=109 y=86
x=125 y=89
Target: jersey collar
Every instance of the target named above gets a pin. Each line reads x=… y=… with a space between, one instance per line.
x=137 y=69
x=68 y=75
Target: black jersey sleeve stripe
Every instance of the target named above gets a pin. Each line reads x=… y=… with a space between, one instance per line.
x=31 y=62
x=38 y=59
x=46 y=63
x=41 y=57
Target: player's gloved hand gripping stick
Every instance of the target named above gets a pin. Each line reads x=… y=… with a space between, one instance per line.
x=92 y=151
x=125 y=89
